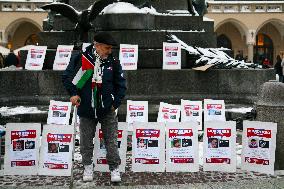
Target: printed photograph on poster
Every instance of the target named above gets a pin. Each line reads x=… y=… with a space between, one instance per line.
x=22 y=148
x=35 y=58
x=168 y=113
x=182 y=147
x=191 y=111
x=171 y=56
x=128 y=56
x=59 y=112
x=62 y=57
x=148 y=147
x=259 y=144
x=214 y=110
x=219 y=146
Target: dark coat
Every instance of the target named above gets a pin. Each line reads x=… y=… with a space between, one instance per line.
x=10 y=60
x=113 y=85
x=278 y=67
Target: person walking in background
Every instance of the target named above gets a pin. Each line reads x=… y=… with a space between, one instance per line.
x=266 y=63
x=282 y=65
x=95 y=82
x=239 y=56
x=278 y=68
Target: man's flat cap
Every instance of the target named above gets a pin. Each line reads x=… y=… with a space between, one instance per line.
x=105 y=38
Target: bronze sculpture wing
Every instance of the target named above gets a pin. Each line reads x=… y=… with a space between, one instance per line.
x=64 y=9
x=97 y=7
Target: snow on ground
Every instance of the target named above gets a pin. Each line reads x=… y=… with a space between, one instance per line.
x=7 y=111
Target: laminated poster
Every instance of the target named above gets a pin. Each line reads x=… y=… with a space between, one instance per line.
x=214 y=110
x=56 y=150
x=137 y=111
x=191 y=111
x=62 y=57
x=171 y=56
x=182 y=147
x=100 y=160
x=219 y=144
x=259 y=144
x=35 y=58
x=148 y=147
x=128 y=56
x=22 y=148
x=168 y=113
x=59 y=112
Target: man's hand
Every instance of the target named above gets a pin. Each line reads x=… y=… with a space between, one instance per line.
x=75 y=100
x=112 y=108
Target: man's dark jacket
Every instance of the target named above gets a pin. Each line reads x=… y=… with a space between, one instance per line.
x=113 y=85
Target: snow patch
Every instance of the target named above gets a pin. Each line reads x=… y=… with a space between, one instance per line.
x=7 y=111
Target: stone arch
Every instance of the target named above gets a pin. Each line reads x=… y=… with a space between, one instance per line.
x=239 y=25
x=276 y=22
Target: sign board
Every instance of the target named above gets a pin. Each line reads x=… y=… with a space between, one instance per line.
x=168 y=113
x=35 y=58
x=214 y=110
x=128 y=56
x=59 y=112
x=171 y=56
x=191 y=111
x=62 y=57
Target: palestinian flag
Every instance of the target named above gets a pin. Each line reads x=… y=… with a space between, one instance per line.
x=84 y=73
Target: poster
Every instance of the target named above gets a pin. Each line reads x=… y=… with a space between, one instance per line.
x=171 y=56
x=148 y=147
x=62 y=57
x=259 y=144
x=22 y=148
x=128 y=56
x=35 y=58
x=191 y=111
x=214 y=110
x=59 y=112
x=56 y=150
x=137 y=111
x=182 y=147
x=168 y=113
x=219 y=144
x=100 y=160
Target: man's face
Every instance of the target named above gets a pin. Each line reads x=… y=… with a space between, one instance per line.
x=103 y=50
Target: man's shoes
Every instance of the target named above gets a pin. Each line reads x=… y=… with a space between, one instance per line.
x=115 y=176
x=88 y=174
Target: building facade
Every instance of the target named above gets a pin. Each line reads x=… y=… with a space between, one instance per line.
x=256 y=28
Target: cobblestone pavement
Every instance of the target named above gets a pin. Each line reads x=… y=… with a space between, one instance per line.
x=201 y=179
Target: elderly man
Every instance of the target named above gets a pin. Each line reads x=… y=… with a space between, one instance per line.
x=95 y=82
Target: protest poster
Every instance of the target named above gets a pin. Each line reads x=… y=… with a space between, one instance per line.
x=35 y=58
x=22 y=148
x=137 y=111
x=59 y=112
x=171 y=56
x=219 y=146
x=191 y=111
x=128 y=56
x=214 y=110
x=62 y=57
x=148 y=147
x=168 y=113
x=84 y=46
x=100 y=152
x=259 y=145
x=56 y=150
x=182 y=147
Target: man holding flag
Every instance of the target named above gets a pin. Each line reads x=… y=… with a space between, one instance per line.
x=95 y=82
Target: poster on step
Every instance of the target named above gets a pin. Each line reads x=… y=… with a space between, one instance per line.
x=35 y=58
x=171 y=56
x=22 y=148
x=182 y=147
x=259 y=145
x=100 y=160
x=148 y=147
x=59 y=112
x=191 y=111
x=62 y=57
x=219 y=146
x=214 y=110
x=137 y=111
x=168 y=113
x=128 y=56
x=56 y=150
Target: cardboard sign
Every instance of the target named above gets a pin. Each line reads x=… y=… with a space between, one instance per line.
x=182 y=147
x=62 y=57
x=56 y=150
x=148 y=147
x=168 y=113
x=191 y=111
x=171 y=56
x=137 y=111
x=128 y=56
x=219 y=146
x=59 y=112
x=214 y=110
x=35 y=58
x=100 y=152
x=22 y=148
x=259 y=144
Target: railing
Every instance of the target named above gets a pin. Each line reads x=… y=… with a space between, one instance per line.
x=246 y=6
x=23 y=6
